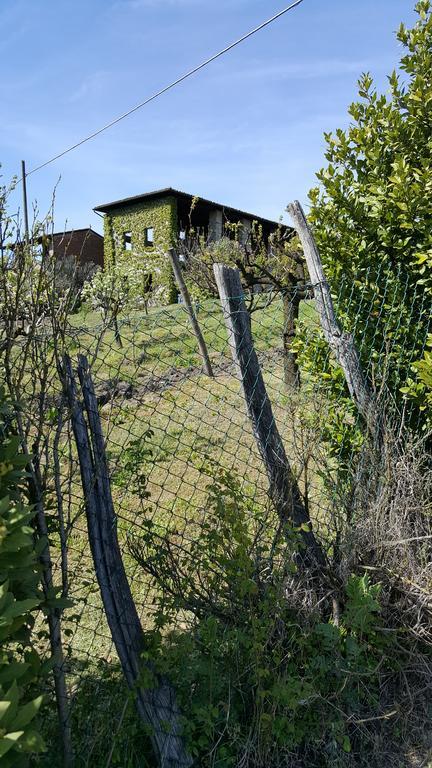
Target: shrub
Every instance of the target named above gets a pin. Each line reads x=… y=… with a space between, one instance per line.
x=20 y=598
x=372 y=222
x=263 y=672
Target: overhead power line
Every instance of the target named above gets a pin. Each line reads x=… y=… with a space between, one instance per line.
x=167 y=87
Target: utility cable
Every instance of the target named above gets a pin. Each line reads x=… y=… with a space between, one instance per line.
x=167 y=87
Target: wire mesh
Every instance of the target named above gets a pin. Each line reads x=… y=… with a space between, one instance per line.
x=166 y=427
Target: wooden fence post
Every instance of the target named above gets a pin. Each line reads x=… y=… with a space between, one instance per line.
x=54 y=618
x=283 y=488
x=291 y=306
x=176 y=266
x=157 y=706
x=341 y=343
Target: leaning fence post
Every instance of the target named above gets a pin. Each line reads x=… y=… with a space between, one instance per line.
x=176 y=266
x=157 y=705
x=283 y=487
x=54 y=620
x=341 y=343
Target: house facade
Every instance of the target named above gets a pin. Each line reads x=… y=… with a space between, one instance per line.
x=142 y=228
x=85 y=246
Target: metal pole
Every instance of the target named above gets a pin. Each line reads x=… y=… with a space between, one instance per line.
x=25 y=206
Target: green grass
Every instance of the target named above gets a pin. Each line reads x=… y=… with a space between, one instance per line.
x=191 y=415
x=163 y=339
x=192 y=418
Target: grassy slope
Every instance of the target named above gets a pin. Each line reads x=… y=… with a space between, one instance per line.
x=191 y=417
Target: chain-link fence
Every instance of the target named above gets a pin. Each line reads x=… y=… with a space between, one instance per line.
x=172 y=434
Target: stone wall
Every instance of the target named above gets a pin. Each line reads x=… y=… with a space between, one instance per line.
x=161 y=216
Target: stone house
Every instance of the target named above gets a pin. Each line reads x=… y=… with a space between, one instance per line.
x=145 y=226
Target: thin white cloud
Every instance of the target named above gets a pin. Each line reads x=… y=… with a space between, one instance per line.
x=137 y=4
x=91 y=85
x=307 y=70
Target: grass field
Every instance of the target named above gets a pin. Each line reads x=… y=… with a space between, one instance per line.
x=191 y=416
x=163 y=420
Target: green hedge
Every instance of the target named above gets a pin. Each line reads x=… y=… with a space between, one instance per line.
x=20 y=600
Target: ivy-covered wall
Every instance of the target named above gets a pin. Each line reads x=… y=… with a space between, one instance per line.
x=161 y=215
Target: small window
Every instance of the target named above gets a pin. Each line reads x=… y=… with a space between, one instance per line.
x=127 y=241
x=149 y=236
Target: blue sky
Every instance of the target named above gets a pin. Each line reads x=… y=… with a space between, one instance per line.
x=247 y=131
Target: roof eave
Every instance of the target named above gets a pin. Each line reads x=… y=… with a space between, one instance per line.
x=170 y=191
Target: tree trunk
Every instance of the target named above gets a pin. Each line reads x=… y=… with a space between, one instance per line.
x=291 y=305
x=117 y=336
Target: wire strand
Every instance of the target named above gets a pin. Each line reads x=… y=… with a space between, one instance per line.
x=167 y=87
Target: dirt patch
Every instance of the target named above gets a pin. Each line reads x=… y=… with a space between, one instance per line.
x=112 y=389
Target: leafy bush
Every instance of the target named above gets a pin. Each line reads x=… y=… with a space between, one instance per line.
x=419 y=387
x=20 y=598
x=372 y=221
x=262 y=671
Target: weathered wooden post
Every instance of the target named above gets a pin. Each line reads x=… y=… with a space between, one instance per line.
x=54 y=617
x=283 y=487
x=341 y=343
x=156 y=705
x=176 y=266
x=291 y=306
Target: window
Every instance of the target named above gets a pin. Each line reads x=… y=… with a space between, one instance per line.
x=127 y=241
x=149 y=236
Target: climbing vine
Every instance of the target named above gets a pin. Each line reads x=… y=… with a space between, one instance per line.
x=161 y=216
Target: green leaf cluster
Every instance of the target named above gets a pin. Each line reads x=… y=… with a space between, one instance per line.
x=258 y=676
x=20 y=598
x=132 y=470
x=372 y=219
